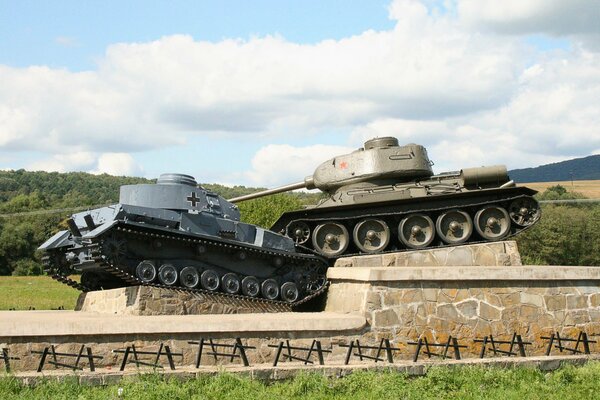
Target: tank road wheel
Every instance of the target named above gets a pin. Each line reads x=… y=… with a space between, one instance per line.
x=189 y=277
x=167 y=274
x=270 y=289
x=250 y=286
x=454 y=226
x=299 y=231
x=289 y=292
x=209 y=280
x=416 y=231
x=371 y=235
x=524 y=211
x=146 y=271
x=230 y=283
x=330 y=239
x=492 y=223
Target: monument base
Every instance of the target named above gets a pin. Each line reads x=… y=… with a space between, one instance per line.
x=470 y=302
x=147 y=300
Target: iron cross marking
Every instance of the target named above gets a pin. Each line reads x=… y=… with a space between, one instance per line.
x=193 y=199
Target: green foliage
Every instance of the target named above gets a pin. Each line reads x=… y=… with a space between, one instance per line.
x=466 y=382
x=265 y=211
x=565 y=235
x=24 y=267
x=559 y=192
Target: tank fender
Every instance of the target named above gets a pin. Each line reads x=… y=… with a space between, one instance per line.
x=99 y=230
x=59 y=239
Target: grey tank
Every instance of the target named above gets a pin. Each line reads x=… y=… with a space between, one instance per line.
x=385 y=197
x=177 y=234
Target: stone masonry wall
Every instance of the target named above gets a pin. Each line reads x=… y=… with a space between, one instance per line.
x=145 y=300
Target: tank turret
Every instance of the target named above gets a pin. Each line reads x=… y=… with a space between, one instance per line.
x=385 y=197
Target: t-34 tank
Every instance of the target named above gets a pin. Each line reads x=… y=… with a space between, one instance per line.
x=177 y=234
x=385 y=197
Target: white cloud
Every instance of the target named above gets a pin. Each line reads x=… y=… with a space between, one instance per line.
x=107 y=163
x=277 y=164
x=472 y=96
x=118 y=164
x=66 y=41
x=65 y=162
x=559 y=17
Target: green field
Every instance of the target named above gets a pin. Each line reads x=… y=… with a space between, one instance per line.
x=440 y=383
x=39 y=292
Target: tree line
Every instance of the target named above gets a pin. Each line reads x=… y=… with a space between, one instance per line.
x=566 y=234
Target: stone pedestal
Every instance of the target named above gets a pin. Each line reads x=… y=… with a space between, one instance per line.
x=483 y=254
x=469 y=301
x=145 y=300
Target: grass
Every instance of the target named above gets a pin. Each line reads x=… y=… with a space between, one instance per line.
x=39 y=292
x=590 y=189
x=440 y=383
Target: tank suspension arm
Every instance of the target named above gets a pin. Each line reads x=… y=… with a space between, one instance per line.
x=280 y=189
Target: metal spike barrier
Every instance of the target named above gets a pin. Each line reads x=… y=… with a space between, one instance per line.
x=216 y=352
x=423 y=344
x=495 y=343
x=163 y=350
x=315 y=347
x=6 y=358
x=581 y=339
x=55 y=355
x=384 y=345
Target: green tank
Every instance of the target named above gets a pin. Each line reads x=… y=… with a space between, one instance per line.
x=385 y=197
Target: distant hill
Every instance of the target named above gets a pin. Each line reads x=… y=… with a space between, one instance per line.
x=586 y=168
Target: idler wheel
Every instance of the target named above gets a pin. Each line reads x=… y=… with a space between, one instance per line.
x=289 y=292
x=454 y=226
x=167 y=274
x=330 y=239
x=209 y=280
x=371 y=235
x=146 y=271
x=230 y=283
x=416 y=231
x=299 y=232
x=270 y=289
x=189 y=277
x=492 y=223
x=524 y=211
x=250 y=286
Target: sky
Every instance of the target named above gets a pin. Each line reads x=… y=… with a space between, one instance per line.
x=259 y=93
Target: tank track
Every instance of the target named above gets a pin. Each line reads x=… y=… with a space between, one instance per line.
x=106 y=264
x=430 y=210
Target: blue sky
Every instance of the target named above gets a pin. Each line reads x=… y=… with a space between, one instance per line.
x=258 y=93
x=75 y=34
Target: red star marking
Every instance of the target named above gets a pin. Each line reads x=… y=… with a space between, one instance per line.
x=343 y=165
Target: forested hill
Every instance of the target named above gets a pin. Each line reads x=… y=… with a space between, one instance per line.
x=22 y=191
x=586 y=168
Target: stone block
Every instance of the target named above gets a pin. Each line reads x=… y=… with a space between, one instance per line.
x=468 y=308
x=555 y=302
x=533 y=299
x=576 y=301
x=385 y=318
x=488 y=312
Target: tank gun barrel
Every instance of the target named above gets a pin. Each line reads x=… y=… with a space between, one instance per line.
x=280 y=189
